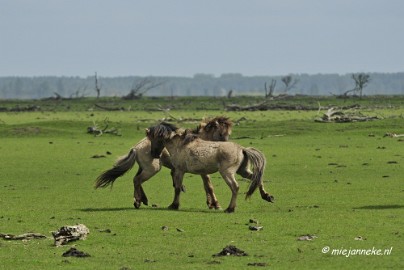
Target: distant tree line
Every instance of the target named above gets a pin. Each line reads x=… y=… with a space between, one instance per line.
x=200 y=85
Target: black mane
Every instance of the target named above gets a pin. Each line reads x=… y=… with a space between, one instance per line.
x=189 y=136
x=163 y=129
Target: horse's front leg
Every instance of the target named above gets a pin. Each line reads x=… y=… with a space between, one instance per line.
x=177 y=178
x=172 y=177
x=166 y=162
x=211 y=199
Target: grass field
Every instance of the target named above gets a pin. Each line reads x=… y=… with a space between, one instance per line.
x=338 y=182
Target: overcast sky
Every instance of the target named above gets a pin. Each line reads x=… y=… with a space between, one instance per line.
x=185 y=37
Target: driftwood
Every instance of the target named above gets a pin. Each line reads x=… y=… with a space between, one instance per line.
x=28 y=108
x=109 y=108
x=265 y=106
x=70 y=233
x=95 y=130
x=25 y=236
x=393 y=135
x=56 y=96
x=307 y=237
x=335 y=115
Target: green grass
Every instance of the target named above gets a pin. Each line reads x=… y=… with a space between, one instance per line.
x=335 y=181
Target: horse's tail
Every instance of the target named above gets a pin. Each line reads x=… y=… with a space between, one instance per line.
x=122 y=165
x=257 y=160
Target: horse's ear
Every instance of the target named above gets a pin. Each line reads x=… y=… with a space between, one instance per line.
x=147 y=131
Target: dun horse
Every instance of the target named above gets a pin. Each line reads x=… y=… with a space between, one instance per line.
x=216 y=129
x=190 y=154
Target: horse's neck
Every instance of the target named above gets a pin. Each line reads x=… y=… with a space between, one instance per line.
x=173 y=145
x=204 y=136
x=145 y=142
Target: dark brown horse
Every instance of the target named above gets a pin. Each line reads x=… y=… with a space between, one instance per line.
x=189 y=154
x=216 y=129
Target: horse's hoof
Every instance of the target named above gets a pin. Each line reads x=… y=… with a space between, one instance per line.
x=229 y=210
x=173 y=206
x=214 y=206
x=269 y=198
x=145 y=201
x=136 y=205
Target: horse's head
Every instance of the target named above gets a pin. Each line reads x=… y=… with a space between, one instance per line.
x=158 y=135
x=157 y=144
x=216 y=129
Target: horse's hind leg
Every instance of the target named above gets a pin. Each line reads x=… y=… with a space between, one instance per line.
x=232 y=183
x=139 y=194
x=211 y=199
x=265 y=195
x=246 y=173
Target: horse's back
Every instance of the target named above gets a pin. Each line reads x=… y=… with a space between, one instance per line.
x=206 y=157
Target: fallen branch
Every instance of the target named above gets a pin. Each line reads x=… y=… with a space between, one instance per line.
x=393 y=135
x=109 y=108
x=264 y=106
x=96 y=131
x=28 y=108
x=25 y=236
x=335 y=115
x=70 y=233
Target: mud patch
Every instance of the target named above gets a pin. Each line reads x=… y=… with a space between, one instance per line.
x=73 y=252
x=230 y=251
x=257 y=264
x=98 y=156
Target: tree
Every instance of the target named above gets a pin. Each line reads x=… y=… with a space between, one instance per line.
x=289 y=82
x=97 y=87
x=361 y=81
x=269 y=92
x=141 y=87
x=230 y=93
